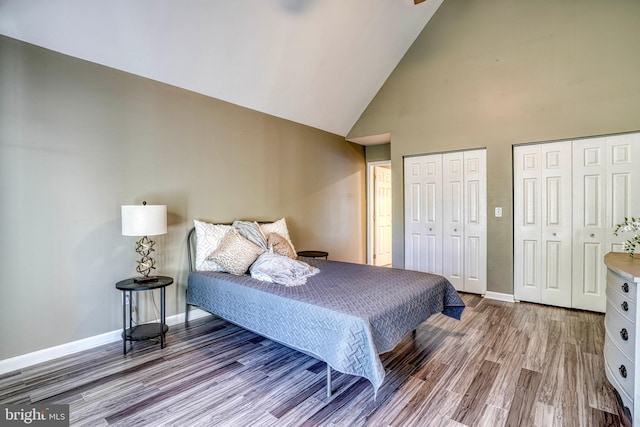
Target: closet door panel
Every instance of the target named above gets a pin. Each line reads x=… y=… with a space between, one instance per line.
x=556 y=219
x=622 y=165
x=542 y=223
x=589 y=232
x=453 y=218
x=423 y=213
x=475 y=221
x=527 y=227
x=415 y=240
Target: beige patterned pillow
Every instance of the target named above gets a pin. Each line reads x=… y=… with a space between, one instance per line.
x=208 y=238
x=235 y=253
x=280 y=245
x=280 y=227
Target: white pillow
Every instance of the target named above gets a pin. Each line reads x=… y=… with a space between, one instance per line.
x=279 y=227
x=235 y=253
x=208 y=238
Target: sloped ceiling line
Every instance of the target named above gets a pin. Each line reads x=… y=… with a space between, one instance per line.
x=318 y=63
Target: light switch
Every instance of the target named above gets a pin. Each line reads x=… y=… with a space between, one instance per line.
x=498 y=212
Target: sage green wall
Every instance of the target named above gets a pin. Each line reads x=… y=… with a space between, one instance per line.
x=77 y=140
x=499 y=72
x=377 y=153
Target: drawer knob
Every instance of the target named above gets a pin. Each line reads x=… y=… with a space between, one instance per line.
x=624 y=334
x=625 y=287
x=625 y=306
x=623 y=371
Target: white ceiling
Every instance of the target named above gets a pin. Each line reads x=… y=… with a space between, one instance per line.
x=315 y=62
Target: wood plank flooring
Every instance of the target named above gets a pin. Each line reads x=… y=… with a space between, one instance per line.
x=503 y=364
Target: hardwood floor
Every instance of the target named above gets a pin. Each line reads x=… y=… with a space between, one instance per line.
x=503 y=364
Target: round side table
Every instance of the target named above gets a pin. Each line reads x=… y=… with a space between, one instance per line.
x=145 y=331
x=314 y=254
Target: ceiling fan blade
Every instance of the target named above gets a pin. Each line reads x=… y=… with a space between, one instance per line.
x=417 y=1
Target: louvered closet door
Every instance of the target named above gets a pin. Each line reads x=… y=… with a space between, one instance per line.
x=542 y=223
x=423 y=213
x=606 y=186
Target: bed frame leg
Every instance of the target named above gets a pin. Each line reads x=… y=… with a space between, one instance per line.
x=329 y=388
x=186 y=315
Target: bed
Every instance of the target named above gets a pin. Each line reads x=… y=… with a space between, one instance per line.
x=346 y=315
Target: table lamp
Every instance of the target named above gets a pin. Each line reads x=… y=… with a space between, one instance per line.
x=144 y=220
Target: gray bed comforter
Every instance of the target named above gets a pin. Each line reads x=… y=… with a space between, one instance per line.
x=346 y=315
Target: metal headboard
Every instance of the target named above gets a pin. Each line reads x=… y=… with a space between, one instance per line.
x=191 y=245
x=191 y=249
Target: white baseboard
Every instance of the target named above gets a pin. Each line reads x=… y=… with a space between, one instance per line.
x=47 y=354
x=499 y=296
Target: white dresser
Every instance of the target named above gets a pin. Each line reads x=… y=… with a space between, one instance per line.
x=621 y=350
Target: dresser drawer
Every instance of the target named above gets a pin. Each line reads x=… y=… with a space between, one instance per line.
x=621 y=331
x=622 y=303
x=625 y=286
x=627 y=401
x=622 y=368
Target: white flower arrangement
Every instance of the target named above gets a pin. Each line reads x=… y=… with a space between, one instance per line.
x=629 y=224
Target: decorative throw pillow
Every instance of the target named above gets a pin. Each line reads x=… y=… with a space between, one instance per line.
x=280 y=227
x=280 y=245
x=208 y=237
x=235 y=253
x=252 y=232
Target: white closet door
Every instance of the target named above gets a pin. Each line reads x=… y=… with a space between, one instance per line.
x=446 y=218
x=423 y=213
x=555 y=206
x=542 y=223
x=453 y=202
x=527 y=272
x=475 y=221
x=589 y=175
x=622 y=165
x=605 y=170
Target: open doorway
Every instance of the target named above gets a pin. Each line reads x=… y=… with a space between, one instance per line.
x=379 y=213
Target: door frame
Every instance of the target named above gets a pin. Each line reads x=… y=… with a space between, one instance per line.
x=371 y=205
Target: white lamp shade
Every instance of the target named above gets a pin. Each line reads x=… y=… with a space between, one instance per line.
x=144 y=220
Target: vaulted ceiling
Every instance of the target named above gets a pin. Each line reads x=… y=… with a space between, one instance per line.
x=315 y=62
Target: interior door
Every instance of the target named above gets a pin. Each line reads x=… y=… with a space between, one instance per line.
x=475 y=221
x=382 y=215
x=589 y=174
x=542 y=223
x=622 y=173
x=527 y=271
x=606 y=191
x=556 y=223
x=453 y=202
x=423 y=213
